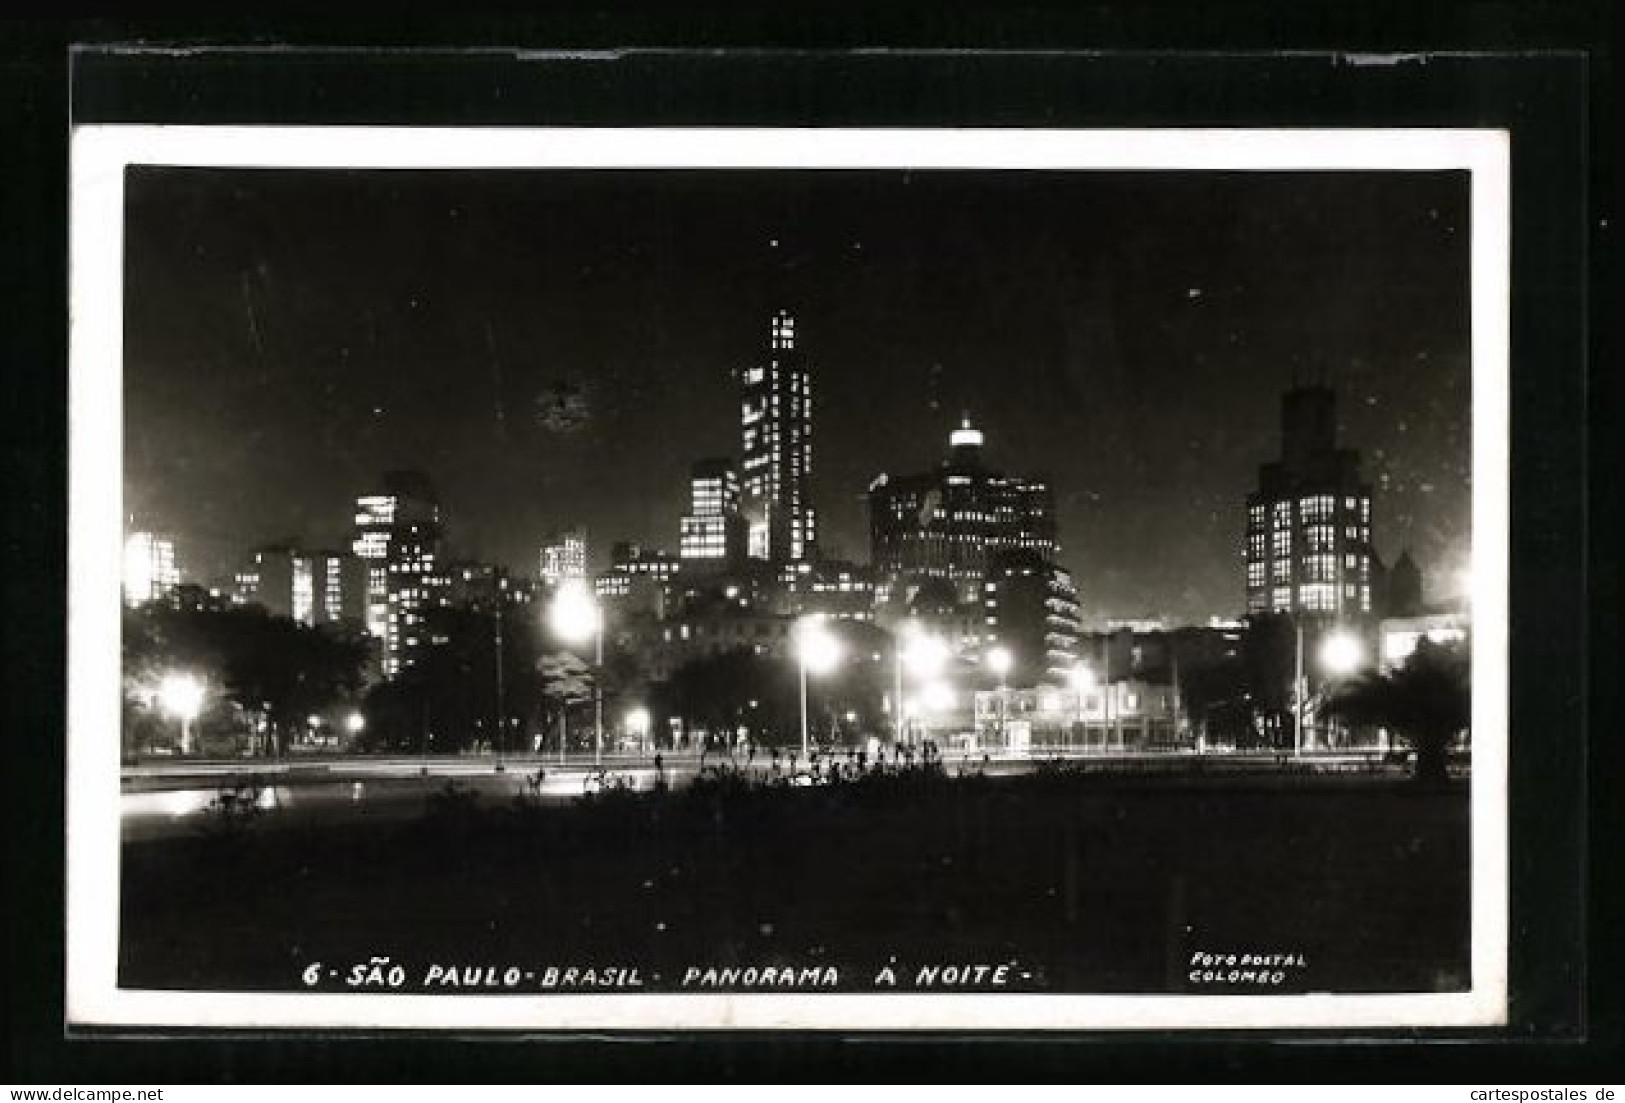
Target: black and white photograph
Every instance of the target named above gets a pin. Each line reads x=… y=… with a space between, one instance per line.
x=767 y=578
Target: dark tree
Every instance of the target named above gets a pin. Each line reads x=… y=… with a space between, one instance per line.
x=1427 y=702
x=272 y=668
x=734 y=689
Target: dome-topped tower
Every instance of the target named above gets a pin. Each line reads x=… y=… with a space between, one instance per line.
x=965 y=444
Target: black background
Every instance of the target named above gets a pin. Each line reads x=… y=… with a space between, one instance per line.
x=1539 y=70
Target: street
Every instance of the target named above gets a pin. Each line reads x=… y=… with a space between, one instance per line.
x=175 y=797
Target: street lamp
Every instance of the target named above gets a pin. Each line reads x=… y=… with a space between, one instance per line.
x=999 y=661
x=637 y=724
x=576 y=617
x=925 y=655
x=1341 y=654
x=1083 y=680
x=817 y=651
x=182 y=697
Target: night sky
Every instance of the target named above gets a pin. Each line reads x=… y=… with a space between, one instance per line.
x=556 y=347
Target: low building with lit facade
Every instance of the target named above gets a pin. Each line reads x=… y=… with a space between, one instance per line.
x=1398 y=637
x=150 y=567
x=398 y=535
x=637 y=577
x=946 y=524
x=1308 y=545
x=266 y=579
x=713 y=535
x=1128 y=716
x=837 y=589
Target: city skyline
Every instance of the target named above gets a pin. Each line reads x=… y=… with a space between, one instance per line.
x=291 y=335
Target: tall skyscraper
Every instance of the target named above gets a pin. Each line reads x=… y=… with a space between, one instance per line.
x=942 y=526
x=564 y=558
x=150 y=570
x=398 y=537
x=712 y=534
x=776 y=429
x=1308 y=535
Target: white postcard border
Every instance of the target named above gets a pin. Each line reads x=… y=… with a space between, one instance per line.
x=100 y=155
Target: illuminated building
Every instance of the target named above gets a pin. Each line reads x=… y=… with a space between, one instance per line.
x=1398 y=637
x=398 y=537
x=838 y=590
x=1308 y=535
x=266 y=579
x=776 y=434
x=312 y=587
x=1031 y=609
x=564 y=558
x=328 y=587
x=636 y=575
x=944 y=525
x=712 y=534
x=149 y=567
x=1128 y=715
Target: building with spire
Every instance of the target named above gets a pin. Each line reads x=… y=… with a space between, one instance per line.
x=1308 y=525
x=776 y=449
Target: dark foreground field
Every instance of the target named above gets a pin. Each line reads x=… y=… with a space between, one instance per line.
x=1080 y=884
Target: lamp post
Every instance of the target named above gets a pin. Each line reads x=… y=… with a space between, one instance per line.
x=1341 y=654
x=925 y=655
x=817 y=651
x=1083 y=680
x=1297 y=688
x=502 y=722
x=637 y=724
x=182 y=697
x=354 y=725
x=1110 y=718
x=935 y=697
x=999 y=661
x=576 y=617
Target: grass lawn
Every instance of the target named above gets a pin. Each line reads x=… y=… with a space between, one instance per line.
x=1082 y=884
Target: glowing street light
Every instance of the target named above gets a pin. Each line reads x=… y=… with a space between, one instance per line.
x=925 y=655
x=1083 y=680
x=576 y=618
x=1341 y=653
x=937 y=696
x=355 y=723
x=182 y=697
x=817 y=651
x=637 y=723
x=999 y=660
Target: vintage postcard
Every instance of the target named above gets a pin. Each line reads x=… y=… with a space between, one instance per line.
x=846 y=579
